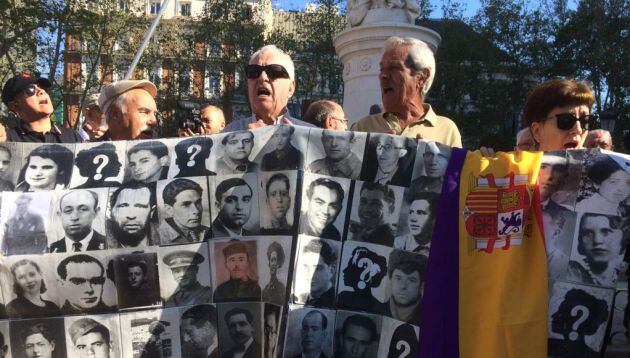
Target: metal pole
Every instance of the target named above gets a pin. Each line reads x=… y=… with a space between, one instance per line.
x=147 y=38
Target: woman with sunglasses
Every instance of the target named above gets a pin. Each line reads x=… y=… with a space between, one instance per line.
x=558 y=113
x=47 y=168
x=28 y=286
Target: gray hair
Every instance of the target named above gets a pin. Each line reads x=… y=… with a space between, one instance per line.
x=318 y=111
x=419 y=57
x=286 y=60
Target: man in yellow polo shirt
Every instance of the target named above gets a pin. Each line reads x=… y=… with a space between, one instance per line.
x=407 y=72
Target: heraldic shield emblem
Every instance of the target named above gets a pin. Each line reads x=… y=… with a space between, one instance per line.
x=496 y=211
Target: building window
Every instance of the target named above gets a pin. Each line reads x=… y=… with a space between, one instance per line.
x=212 y=85
x=155 y=7
x=184 y=9
x=122 y=5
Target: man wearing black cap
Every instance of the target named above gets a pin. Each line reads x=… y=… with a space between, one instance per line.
x=26 y=96
x=240 y=285
x=184 y=266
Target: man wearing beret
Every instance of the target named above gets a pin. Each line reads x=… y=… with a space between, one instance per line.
x=184 y=266
x=90 y=339
x=26 y=95
x=130 y=109
x=240 y=285
x=93 y=127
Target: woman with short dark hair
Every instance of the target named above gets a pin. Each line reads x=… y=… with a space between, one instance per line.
x=47 y=168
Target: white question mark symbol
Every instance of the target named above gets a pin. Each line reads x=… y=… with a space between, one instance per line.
x=193 y=150
x=101 y=161
x=369 y=270
x=406 y=349
x=584 y=313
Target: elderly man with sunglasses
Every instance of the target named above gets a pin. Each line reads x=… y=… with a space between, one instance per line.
x=26 y=95
x=270 y=83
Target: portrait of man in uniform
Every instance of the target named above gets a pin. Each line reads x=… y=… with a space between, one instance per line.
x=284 y=156
x=91 y=339
x=191 y=155
x=147 y=161
x=275 y=290
x=234 y=204
x=184 y=213
x=240 y=285
x=77 y=210
x=237 y=147
x=132 y=211
x=339 y=161
x=324 y=201
x=184 y=266
x=24 y=231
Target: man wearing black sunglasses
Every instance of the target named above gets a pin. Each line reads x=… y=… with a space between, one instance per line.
x=26 y=95
x=270 y=84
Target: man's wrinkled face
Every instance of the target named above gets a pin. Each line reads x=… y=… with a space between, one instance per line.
x=145 y=166
x=435 y=162
x=238 y=265
x=240 y=329
x=419 y=214
x=135 y=276
x=33 y=107
x=138 y=121
x=187 y=209
x=278 y=199
x=388 y=151
x=37 y=346
x=598 y=139
x=355 y=341
x=372 y=208
x=235 y=206
x=406 y=287
x=282 y=137
x=92 y=345
x=399 y=87
x=83 y=285
x=601 y=243
x=337 y=144
x=316 y=272
x=132 y=209
x=312 y=332
x=197 y=339
x=239 y=145
x=185 y=276
x=323 y=207
x=212 y=119
x=5 y=161
x=269 y=98
x=77 y=211
x=525 y=141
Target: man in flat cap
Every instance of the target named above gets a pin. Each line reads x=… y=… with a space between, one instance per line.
x=94 y=126
x=90 y=339
x=26 y=95
x=240 y=285
x=130 y=109
x=184 y=266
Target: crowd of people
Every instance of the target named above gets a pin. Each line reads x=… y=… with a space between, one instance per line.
x=557 y=114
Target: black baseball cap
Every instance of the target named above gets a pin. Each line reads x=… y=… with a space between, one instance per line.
x=16 y=84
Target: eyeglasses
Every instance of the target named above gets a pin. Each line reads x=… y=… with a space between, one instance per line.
x=386 y=147
x=566 y=121
x=273 y=71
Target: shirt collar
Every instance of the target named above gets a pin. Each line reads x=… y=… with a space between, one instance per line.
x=429 y=116
x=344 y=166
x=173 y=232
x=27 y=130
x=285 y=114
x=233 y=165
x=84 y=242
x=231 y=232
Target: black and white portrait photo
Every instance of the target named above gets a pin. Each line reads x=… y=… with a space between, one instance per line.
x=406 y=272
x=310 y=332
x=608 y=187
x=363 y=277
x=416 y=220
x=45 y=167
x=191 y=156
x=9 y=165
x=315 y=272
x=147 y=161
x=283 y=150
x=357 y=335
x=236 y=271
x=389 y=160
x=29 y=286
x=598 y=250
x=233 y=155
x=336 y=153
x=93 y=336
x=85 y=283
x=137 y=280
x=183 y=211
x=98 y=165
x=273 y=268
x=559 y=226
x=42 y=338
x=78 y=220
x=556 y=181
x=271 y=330
x=431 y=162
x=324 y=203
x=5 y=341
x=24 y=220
x=577 y=320
x=185 y=275
x=132 y=217
x=151 y=333
x=278 y=194
x=398 y=339
x=235 y=207
x=198 y=331
x=240 y=330
x=375 y=211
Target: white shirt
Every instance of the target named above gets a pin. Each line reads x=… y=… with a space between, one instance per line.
x=84 y=243
x=247 y=344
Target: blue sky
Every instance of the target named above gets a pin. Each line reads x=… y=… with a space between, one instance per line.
x=471 y=6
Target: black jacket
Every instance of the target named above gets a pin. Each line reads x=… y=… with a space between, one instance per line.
x=96 y=243
x=22 y=133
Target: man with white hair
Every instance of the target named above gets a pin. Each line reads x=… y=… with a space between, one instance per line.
x=599 y=138
x=525 y=140
x=270 y=83
x=407 y=72
x=130 y=110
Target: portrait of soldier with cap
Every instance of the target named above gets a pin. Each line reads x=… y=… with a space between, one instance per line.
x=91 y=338
x=137 y=280
x=182 y=212
x=241 y=284
x=184 y=266
x=24 y=230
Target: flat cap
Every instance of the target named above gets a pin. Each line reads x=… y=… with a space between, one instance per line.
x=91 y=101
x=83 y=326
x=182 y=258
x=115 y=89
x=235 y=248
x=16 y=84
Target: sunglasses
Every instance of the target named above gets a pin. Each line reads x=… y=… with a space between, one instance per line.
x=566 y=121
x=273 y=71
x=31 y=90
